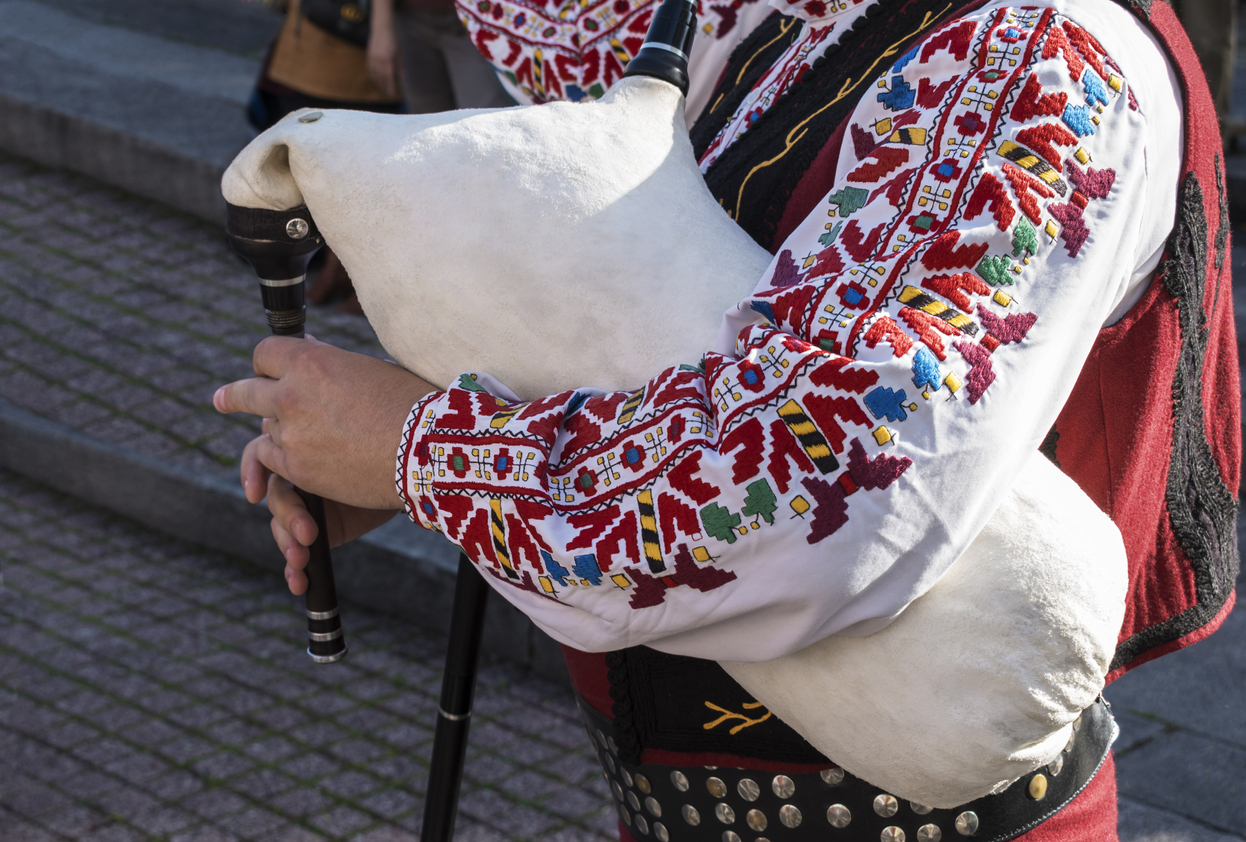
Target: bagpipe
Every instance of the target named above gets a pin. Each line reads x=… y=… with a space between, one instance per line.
x=573 y=244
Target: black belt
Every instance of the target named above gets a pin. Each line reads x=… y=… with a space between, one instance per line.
x=719 y=804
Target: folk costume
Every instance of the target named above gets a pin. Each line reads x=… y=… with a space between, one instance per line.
x=988 y=239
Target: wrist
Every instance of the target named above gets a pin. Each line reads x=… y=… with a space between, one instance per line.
x=408 y=480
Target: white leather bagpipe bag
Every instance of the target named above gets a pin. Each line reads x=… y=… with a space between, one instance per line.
x=570 y=245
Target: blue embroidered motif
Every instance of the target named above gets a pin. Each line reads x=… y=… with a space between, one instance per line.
x=765 y=310
x=556 y=571
x=1096 y=91
x=926 y=373
x=1078 y=118
x=884 y=402
x=900 y=97
x=905 y=59
x=586 y=568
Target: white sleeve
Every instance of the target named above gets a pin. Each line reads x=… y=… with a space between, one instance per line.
x=905 y=353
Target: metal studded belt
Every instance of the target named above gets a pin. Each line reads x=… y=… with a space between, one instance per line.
x=717 y=804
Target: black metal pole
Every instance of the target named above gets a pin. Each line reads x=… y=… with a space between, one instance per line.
x=664 y=55
x=279 y=245
x=458 y=685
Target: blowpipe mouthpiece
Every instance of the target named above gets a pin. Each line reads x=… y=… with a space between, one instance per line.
x=664 y=54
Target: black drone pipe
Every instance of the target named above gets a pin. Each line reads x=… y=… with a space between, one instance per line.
x=458 y=684
x=279 y=245
x=664 y=53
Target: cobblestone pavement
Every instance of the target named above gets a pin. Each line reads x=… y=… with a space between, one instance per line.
x=150 y=690
x=121 y=317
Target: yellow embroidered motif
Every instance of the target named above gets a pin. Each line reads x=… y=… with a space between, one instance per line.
x=745 y=721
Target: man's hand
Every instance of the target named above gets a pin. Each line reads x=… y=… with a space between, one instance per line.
x=334 y=419
x=332 y=423
x=293 y=527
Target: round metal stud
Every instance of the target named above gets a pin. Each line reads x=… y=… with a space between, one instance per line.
x=730 y=836
x=716 y=787
x=679 y=780
x=967 y=823
x=1069 y=745
x=889 y=834
x=710 y=768
x=601 y=738
x=618 y=790
x=724 y=813
x=790 y=815
x=690 y=814
x=627 y=777
x=633 y=800
x=296 y=229
x=886 y=805
x=642 y=824
x=756 y=820
x=832 y=777
x=929 y=833
x=1038 y=787
x=748 y=789
x=626 y=816
x=783 y=786
x=654 y=808
x=1056 y=766
x=613 y=745
x=838 y=815
x=311 y=117
x=642 y=784
x=920 y=809
x=660 y=831
x=610 y=763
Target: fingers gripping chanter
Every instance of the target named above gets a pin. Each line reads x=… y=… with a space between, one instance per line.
x=279 y=245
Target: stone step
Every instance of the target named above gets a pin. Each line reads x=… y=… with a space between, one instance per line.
x=158 y=117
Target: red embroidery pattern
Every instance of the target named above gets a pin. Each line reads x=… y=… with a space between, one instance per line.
x=555 y=49
x=894 y=307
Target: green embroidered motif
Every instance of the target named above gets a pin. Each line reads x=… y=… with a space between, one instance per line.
x=760 y=501
x=831 y=233
x=849 y=199
x=994 y=270
x=1024 y=241
x=720 y=522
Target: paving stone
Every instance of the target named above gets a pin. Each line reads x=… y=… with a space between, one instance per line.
x=149 y=346
x=214 y=803
x=1140 y=822
x=1211 y=786
x=341 y=820
x=161 y=821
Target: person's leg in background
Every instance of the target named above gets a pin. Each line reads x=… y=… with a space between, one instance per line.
x=442 y=69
